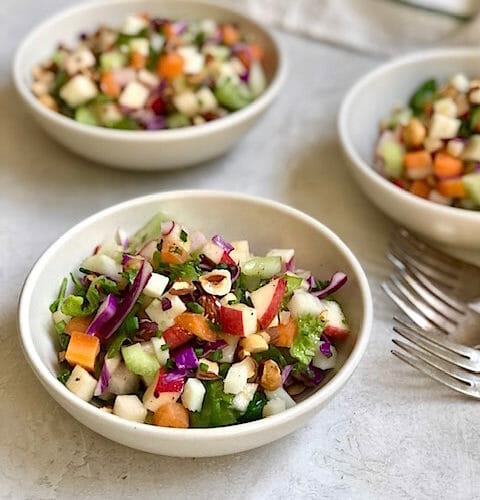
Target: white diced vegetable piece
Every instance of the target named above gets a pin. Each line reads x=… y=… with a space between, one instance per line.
x=275 y=322
x=460 y=82
x=206 y=100
x=78 y=90
x=111 y=248
x=334 y=317
x=273 y=407
x=212 y=366
x=324 y=362
x=303 y=303
x=243 y=398
x=284 y=317
x=193 y=394
x=445 y=106
x=156 y=285
x=444 y=127
x=472 y=149
x=432 y=144
x=228 y=352
x=186 y=102
x=152 y=400
x=140 y=45
x=103 y=264
x=208 y=26
x=157 y=41
x=59 y=316
x=455 y=147
x=436 y=197
x=286 y=254
x=280 y=394
x=474 y=96
x=81 y=59
x=240 y=252
x=230 y=297
x=213 y=252
x=134 y=95
x=219 y=52
x=193 y=59
x=162 y=354
x=148 y=78
x=237 y=377
x=123 y=381
x=109 y=113
x=81 y=383
x=165 y=319
x=133 y=24
x=256 y=79
x=130 y=408
x=228 y=71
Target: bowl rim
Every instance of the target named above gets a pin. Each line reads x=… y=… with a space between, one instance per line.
x=82 y=407
x=193 y=131
x=367 y=169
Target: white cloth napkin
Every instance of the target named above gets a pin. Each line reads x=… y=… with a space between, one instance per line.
x=375 y=26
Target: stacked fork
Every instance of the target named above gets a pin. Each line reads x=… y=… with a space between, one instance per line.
x=440 y=296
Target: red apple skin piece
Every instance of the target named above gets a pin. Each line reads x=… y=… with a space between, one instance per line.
x=274 y=306
x=336 y=332
x=231 y=321
x=164 y=385
x=226 y=259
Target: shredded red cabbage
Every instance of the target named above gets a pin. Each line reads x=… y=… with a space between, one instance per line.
x=286 y=372
x=128 y=302
x=122 y=238
x=172 y=381
x=325 y=347
x=104 y=379
x=126 y=258
x=185 y=358
x=290 y=265
x=166 y=304
x=220 y=242
x=105 y=313
x=213 y=346
x=336 y=281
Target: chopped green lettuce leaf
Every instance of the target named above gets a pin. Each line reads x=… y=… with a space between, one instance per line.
x=61 y=295
x=309 y=330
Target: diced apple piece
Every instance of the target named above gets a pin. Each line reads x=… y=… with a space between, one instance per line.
x=280 y=394
x=154 y=398
x=240 y=252
x=303 y=303
x=134 y=95
x=130 y=408
x=238 y=319
x=186 y=102
x=443 y=127
x=243 y=398
x=78 y=90
x=162 y=353
x=336 y=325
x=133 y=25
x=165 y=319
x=286 y=254
x=273 y=407
x=228 y=352
x=237 y=376
x=206 y=100
x=103 y=264
x=193 y=394
x=267 y=301
x=213 y=252
x=193 y=59
x=324 y=362
x=123 y=381
x=156 y=285
x=81 y=383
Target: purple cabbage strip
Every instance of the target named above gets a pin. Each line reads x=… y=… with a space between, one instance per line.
x=126 y=258
x=179 y=27
x=286 y=372
x=105 y=313
x=176 y=374
x=326 y=347
x=235 y=274
x=213 y=346
x=185 y=358
x=122 y=238
x=104 y=380
x=290 y=265
x=128 y=302
x=223 y=244
x=166 y=304
x=311 y=281
x=336 y=281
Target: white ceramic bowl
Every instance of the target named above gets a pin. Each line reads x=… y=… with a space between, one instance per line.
x=144 y=150
x=266 y=224
x=371 y=99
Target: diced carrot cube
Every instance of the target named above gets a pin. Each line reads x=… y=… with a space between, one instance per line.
x=170 y=65
x=109 y=84
x=230 y=34
x=286 y=333
x=446 y=165
x=78 y=324
x=138 y=60
x=452 y=188
x=420 y=188
x=417 y=159
x=196 y=324
x=172 y=415
x=83 y=350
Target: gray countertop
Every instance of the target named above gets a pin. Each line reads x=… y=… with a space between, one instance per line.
x=390 y=433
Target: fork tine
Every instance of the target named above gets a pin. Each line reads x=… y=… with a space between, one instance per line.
x=429 y=298
x=444 y=366
x=436 y=349
x=423 y=247
x=417 y=318
x=416 y=262
x=436 y=374
x=440 y=339
x=438 y=320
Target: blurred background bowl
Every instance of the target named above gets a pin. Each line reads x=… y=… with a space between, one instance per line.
x=143 y=150
x=372 y=98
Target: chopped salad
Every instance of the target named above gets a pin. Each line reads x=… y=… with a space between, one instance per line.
x=152 y=74
x=431 y=147
x=173 y=329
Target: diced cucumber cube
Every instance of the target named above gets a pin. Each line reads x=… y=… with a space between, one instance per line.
x=177 y=120
x=472 y=185
x=139 y=361
x=231 y=96
x=392 y=154
x=86 y=116
x=112 y=60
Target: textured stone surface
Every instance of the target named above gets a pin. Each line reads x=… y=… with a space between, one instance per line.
x=389 y=434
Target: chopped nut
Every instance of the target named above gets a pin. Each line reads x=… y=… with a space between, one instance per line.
x=474 y=96
x=218 y=282
x=61 y=356
x=242 y=354
x=271 y=378
x=39 y=88
x=49 y=102
x=414 y=133
x=182 y=288
x=265 y=336
x=254 y=343
x=211 y=306
x=295 y=389
x=210 y=373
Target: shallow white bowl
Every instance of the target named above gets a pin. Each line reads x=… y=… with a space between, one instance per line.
x=266 y=224
x=371 y=99
x=142 y=150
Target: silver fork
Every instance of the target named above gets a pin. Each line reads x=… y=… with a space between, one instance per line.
x=457 y=278
x=449 y=363
x=432 y=309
